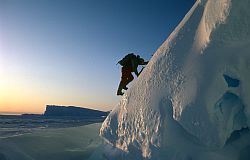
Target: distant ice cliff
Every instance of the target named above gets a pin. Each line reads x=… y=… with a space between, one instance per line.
x=53 y=110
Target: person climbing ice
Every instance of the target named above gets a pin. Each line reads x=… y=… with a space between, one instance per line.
x=129 y=64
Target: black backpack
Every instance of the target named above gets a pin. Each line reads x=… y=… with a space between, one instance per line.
x=127 y=59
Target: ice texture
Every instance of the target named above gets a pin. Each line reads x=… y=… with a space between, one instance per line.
x=229 y=115
x=231 y=82
x=75 y=143
x=181 y=106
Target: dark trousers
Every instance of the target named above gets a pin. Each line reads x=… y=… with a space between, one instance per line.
x=126 y=78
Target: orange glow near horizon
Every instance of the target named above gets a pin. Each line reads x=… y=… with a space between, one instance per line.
x=26 y=96
x=16 y=97
x=19 y=94
x=22 y=103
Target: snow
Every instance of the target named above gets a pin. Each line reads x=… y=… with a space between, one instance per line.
x=73 y=143
x=182 y=106
x=215 y=12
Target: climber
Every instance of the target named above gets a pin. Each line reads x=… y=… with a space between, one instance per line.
x=129 y=64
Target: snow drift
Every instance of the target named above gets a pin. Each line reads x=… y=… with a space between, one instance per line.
x=193 y=99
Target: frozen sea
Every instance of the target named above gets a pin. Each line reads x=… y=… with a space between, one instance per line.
x=36 y=138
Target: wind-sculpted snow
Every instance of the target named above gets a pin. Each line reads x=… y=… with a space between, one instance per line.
x=229 y=115
x=182 y=106
x=215 y=12
x=231 y=82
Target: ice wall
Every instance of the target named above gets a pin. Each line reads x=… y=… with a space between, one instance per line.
x=182 y=96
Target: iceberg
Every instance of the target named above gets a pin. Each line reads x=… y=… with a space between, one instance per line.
x=192 y=101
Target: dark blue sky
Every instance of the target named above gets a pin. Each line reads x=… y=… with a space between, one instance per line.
x=65 y=51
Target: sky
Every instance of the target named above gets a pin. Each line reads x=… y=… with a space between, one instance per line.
x=64 y=52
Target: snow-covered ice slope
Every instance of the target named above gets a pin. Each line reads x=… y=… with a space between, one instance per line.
x=194 y=94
